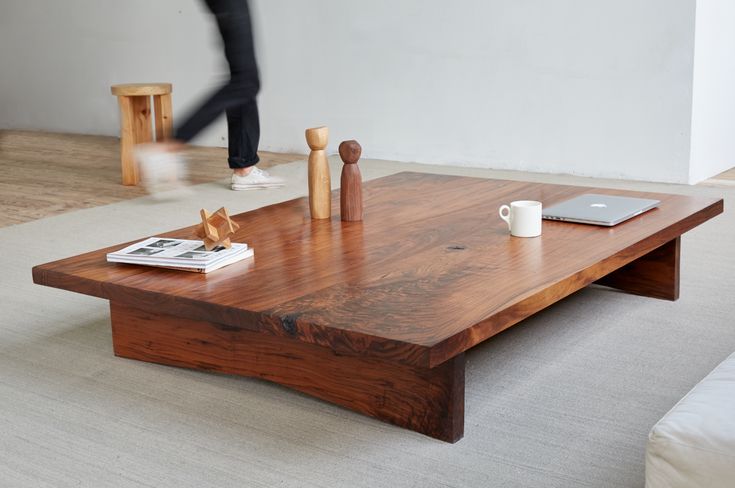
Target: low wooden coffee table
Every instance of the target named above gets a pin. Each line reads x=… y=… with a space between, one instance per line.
x=376 y=315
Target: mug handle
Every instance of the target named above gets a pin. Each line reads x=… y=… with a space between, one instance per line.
x=505 y=216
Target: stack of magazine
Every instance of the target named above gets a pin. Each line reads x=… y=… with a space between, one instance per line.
x=180 y=254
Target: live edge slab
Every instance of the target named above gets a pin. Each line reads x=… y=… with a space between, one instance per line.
x=376 y=315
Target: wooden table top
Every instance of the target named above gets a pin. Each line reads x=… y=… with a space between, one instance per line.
x=429 y=273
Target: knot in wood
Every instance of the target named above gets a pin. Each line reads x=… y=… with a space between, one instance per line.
x=289 y=324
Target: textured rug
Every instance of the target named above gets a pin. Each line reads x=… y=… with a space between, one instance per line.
x=565 y=399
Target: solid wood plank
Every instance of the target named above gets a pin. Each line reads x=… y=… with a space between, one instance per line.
x=388 y=305
x=654 y=275
x=429 y=273
x=142 y=121
x=429 y=401
x=163 y=116
x=128 y=134
x=135 y=128
x=140 y=89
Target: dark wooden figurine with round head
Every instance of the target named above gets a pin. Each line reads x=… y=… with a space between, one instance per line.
x=350 y=152
x=350 y=197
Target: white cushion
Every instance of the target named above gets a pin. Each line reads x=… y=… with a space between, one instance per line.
x=693 y=445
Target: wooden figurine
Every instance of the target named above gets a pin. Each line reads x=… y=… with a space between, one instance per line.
x=216 y=229
x=350 y=197
x=320 y=185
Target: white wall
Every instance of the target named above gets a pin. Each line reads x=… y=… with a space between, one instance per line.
x=589 y=87
x=60 y=58
x=713 y=114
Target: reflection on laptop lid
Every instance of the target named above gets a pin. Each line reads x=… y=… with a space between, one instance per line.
x=607 y=210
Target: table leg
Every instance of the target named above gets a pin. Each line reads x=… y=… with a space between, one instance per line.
x=655 y=274
x=426 y=400
x=135 y=128
x=163 y=117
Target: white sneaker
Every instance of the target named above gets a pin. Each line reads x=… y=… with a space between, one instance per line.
x=160 y=170
x=257 y=179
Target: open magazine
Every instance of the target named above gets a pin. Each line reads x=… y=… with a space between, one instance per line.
x=180 y=254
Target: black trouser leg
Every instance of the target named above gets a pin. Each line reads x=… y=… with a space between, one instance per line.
x=243 y=129
x=238 y=97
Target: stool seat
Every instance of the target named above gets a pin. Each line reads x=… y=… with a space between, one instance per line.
x=137 y=116
x=141 y=89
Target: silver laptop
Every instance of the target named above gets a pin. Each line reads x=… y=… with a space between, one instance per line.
x=596 y=209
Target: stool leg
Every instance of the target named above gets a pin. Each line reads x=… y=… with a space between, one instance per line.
x=135 y=128
x=164 y=118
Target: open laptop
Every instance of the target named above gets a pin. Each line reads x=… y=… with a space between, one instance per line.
x=607 y=210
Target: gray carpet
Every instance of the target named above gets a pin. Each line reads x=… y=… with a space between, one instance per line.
x=565 y=399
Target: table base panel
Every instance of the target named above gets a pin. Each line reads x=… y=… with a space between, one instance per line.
x=426 y=400
x=654 y=275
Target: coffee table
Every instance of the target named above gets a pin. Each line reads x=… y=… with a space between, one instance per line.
x=376 y=315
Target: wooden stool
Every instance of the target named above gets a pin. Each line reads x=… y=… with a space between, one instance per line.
x=135 y=121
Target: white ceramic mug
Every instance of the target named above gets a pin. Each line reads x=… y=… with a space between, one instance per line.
x=523 y=218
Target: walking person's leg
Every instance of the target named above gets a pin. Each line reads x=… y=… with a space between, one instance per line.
x=237 y=98
x=235 y=28
x=243 y=122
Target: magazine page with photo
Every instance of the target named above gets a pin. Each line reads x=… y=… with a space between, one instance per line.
x=179 y=253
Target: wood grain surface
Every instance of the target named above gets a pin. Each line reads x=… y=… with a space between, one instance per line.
x=135 y=128
x=164 y=117
x=655 y=274
x=430 y=272
x=430 y=401
x=141 y=89
x=320 y=182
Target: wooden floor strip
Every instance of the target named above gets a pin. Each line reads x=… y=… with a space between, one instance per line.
x=44 y=174
x=728 y=175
